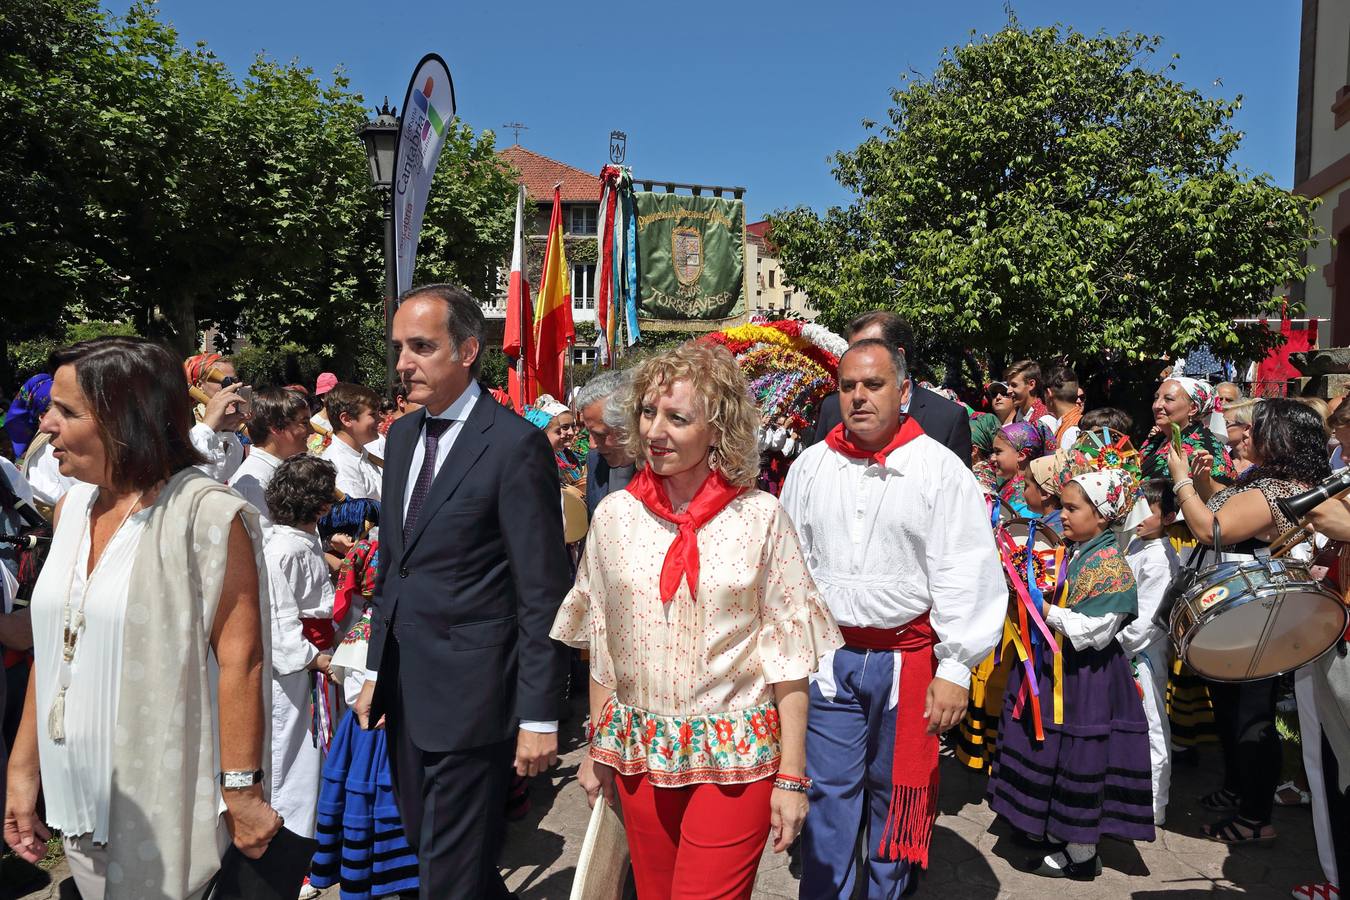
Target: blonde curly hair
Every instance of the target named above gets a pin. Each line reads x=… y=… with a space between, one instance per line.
x=723 y=397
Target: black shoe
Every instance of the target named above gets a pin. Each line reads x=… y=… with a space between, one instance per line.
x=1087 y=870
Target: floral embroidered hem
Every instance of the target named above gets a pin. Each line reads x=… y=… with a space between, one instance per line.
x=733 y=747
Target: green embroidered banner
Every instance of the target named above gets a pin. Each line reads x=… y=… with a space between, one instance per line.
x=691 y=256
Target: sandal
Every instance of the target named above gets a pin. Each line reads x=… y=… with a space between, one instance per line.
x=1238 y=830
x=1220 y=800
x=1290 y=794
x=1317 y=890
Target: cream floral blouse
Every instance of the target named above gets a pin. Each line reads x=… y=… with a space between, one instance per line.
x=692 y=678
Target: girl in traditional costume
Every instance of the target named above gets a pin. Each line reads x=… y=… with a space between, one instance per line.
x=361 y=844
x=1081 y=770
x=1015 y=446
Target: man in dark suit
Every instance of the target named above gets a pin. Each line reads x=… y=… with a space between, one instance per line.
x=472 y=569
x=609 y=468
x=946 y=422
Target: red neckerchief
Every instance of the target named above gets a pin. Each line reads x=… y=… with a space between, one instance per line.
x=838 y=441
x=682 y=557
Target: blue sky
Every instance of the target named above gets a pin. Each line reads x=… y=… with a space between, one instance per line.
x=753 y=94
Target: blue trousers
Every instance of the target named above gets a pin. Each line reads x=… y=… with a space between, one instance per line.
x=850 y=745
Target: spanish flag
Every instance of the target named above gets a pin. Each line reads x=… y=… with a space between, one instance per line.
x=553 y=331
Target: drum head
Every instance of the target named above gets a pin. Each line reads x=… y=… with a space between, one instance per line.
x=1268 y=634
x=575 y=520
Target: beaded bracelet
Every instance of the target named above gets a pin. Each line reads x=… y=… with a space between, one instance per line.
x=795 y=787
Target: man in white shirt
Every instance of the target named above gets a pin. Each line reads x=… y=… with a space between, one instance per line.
x=1061 y=399
x=278 y=429
x=352 y=413
x=895 y=532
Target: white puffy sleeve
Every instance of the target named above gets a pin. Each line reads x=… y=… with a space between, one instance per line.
x=965 y=580
x=796 y=629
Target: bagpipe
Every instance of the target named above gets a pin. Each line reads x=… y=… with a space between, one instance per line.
x=352 y=516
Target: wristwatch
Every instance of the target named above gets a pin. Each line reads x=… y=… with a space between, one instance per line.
x=240 y=781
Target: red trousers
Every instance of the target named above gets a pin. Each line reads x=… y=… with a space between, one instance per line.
x=712 y=835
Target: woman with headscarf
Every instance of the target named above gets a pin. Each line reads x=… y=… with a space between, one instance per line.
x=1189 y=405
x=1079 y=771
x=220 y=411
x=559 y=425
x=983 y=427
x=25 y=413
x=1015 y=446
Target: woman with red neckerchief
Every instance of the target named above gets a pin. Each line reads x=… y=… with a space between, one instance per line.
x=703 y=625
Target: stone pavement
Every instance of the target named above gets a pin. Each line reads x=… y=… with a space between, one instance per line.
x=970 y=854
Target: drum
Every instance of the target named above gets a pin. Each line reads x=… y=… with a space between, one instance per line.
x=575 y=520
x=1244 y=621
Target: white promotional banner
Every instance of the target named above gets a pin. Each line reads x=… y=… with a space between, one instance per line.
x=428 y=110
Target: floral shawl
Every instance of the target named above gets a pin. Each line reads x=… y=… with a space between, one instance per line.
x=1195 y=437
x=1100 y=581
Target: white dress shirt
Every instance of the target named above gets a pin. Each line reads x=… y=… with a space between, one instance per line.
x=222 y=450
x=886 y=544
x=250 y=480
x=357 y=476
x=299 y=587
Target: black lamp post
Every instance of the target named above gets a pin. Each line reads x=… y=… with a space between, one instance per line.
x=380 y=136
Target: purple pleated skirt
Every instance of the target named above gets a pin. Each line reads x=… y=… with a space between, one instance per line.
x=1091 y=776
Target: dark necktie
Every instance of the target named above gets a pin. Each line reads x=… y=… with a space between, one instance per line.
x=434 y=428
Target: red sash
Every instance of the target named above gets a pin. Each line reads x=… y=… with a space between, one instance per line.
x=914 y=767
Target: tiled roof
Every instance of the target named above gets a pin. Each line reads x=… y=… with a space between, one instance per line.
x=758 y=234
x=539 y=174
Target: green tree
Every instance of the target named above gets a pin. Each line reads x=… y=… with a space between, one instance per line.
x=1045 y=193
x=145 y=183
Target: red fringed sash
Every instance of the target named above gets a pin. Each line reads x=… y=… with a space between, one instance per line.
x=914 y=768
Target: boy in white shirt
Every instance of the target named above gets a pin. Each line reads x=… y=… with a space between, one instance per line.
x=353 y=414
x=1154 y=563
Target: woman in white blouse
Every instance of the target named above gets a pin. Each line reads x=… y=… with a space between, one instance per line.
x=703 y=625
x=148 y=611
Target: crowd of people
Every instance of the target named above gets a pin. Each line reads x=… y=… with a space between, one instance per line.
x=254 y=613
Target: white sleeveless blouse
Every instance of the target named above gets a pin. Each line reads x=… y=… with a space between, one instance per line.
x=77 y=774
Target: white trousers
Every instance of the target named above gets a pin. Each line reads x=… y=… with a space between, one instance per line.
x=297 y=758
x=1310 y=731
x=1152 y=665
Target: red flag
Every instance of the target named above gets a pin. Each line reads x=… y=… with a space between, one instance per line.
x=519 y=319
x=554 y=332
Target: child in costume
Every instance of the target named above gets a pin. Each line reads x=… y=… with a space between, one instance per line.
x=1015 y=446
x=297 y=579
x=1081 y=770
x=361 y=844
x=1154 y=563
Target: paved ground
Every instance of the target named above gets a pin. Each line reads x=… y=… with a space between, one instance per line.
x=970 y=853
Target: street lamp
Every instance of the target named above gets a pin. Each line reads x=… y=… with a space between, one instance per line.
x=380 y=135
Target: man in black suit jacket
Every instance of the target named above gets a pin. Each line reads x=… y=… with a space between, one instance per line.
x=472 y=569
x=946 y=422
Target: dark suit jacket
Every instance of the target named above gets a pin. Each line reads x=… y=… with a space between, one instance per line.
x=597 y=481
x=942 y=420
x=470 y=599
